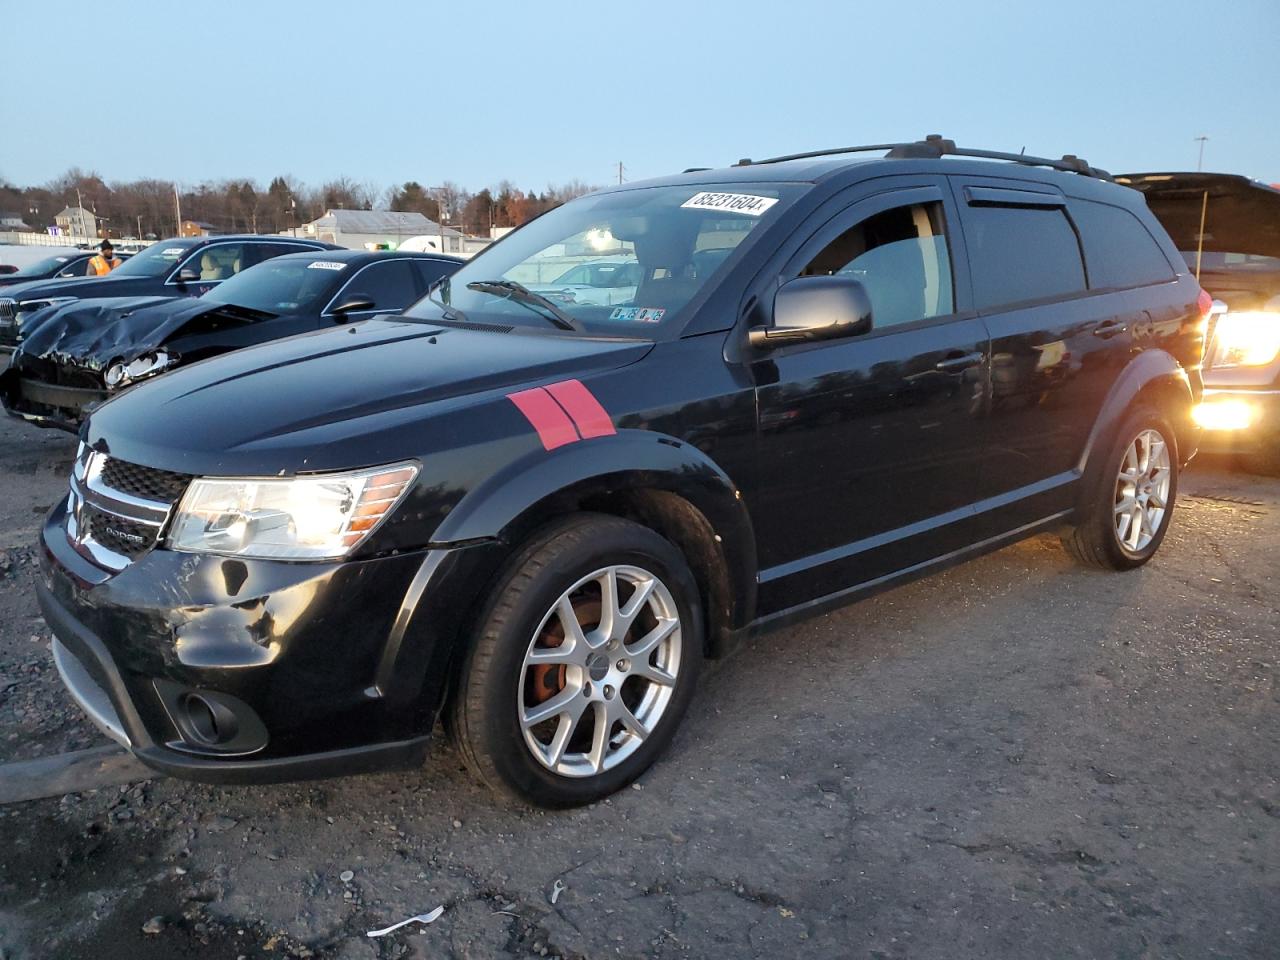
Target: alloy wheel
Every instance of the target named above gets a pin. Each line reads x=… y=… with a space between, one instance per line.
x=600 y=671
x=1142 y=491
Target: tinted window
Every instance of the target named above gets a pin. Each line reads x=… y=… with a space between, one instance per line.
x=1022 y=253
x=429 y=271
x=259 y=252
x=1117 y=247
x=156 y=260
x=389 y=285
x=900 y=256
x=281 y=286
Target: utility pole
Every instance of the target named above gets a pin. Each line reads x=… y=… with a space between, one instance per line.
x=619 y=172
x=177 y=208
x=1200 y=162
x=139 y=226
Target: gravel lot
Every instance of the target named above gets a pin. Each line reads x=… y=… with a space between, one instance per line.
x=1016 y=758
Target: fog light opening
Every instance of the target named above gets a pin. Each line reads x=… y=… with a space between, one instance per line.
x=1223 y=415
x=206 y=721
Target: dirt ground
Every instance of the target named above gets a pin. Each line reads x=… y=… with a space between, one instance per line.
x=1016 y=758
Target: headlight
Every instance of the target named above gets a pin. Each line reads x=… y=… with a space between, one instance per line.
x=122 y=374
x=1249 y=339
x=24 y=309
x=320 y=517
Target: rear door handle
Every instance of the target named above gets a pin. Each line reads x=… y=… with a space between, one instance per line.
x=958 y=363
x=1110 y=328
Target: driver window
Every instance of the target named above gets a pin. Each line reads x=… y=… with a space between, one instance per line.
x=219 y=262
x=389 y=285
x=901 y=257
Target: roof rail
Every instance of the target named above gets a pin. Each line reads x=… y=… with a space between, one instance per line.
x=935 y=145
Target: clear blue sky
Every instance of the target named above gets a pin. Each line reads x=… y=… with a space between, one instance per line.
x=544 y=91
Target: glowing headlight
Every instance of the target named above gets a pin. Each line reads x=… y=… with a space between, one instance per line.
x=1223 y=415
x=1249 y=339
x=320 y=517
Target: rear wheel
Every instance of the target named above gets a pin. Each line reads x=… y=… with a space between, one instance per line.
x=1129 y=500
x=584 y=664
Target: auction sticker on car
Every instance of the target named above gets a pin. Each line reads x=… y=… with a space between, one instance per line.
x=326 y=265
x=747 y=203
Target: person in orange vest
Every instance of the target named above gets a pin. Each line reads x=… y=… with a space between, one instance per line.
x=104 y=262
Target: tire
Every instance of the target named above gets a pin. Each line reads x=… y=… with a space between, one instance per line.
x=1096 y=540
x=587 y=679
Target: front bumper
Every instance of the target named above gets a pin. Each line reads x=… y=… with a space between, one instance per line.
x=47 y=404
x=1259 y=432
x=313 y=670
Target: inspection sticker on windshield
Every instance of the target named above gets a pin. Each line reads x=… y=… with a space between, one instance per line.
x=752 y=206
x=638 y=314
x=326 y=265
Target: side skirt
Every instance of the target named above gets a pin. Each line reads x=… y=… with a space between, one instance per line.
x=860 y=591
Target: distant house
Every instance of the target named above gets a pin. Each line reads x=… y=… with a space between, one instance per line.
x=14 y=222
x=77 y=222
x=371 y=229
x=196 y=228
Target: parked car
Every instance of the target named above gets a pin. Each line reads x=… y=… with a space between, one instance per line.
x=603 y=282
x=1237 y=254
x=62 y=266
x=538 y=518
x=182 y=267
x=85 y=352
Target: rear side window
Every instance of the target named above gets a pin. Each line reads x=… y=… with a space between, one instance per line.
x=1119 y=250
x=1022 y=253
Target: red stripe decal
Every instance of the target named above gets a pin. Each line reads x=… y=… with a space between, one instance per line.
x=554 y=427
x=581 y=404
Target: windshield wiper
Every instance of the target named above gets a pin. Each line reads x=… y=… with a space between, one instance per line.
x=522 y=294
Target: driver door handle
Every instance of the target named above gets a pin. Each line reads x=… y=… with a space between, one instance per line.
x=1110 y=328
x=958 y=363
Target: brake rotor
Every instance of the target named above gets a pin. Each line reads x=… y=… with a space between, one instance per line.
x=548 y=679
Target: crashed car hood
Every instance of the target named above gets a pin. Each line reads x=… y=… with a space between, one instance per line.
x=1242 y=215
x=95 y=333
x=385 y=387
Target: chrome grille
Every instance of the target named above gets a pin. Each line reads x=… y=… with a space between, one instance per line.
x=111 y=525
x=7 y=314
x=8 y=325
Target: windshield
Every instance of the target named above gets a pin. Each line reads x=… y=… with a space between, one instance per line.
x=45 y=266
x=631 y=260
x=282 y=285
x=155 y=261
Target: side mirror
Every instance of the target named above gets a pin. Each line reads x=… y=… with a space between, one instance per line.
x=188 y=275
x=354 y=303
x=815 y=308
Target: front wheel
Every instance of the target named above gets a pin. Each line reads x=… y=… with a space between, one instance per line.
x=1129 y=499
x=584 y=664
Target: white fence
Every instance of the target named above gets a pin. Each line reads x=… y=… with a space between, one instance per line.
x=23 y=239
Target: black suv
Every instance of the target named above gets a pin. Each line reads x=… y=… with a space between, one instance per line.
x=1228 y=229
x=182 y=267
x=539 y=517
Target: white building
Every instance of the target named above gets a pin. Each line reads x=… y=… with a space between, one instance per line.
x=77 y=222
x=368 y=229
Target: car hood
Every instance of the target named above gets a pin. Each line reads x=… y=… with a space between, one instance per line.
x=93 y=333
x=108 y=286
x=369 y=393
x=1241 y=216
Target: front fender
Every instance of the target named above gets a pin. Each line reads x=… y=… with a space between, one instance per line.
x=1150 y=372
x=537 y=487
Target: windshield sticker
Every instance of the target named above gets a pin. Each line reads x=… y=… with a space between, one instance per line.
x=638 y=314
x=172 y=253
x=752 y=206
x=326 y=265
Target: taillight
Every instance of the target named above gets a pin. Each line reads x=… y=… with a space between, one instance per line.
x=1205 y=303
